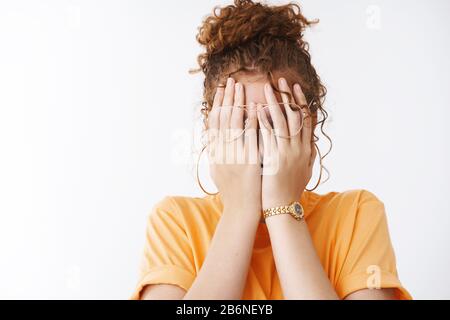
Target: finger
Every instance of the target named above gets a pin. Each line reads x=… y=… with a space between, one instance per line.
x=251 y=139
x=306 y=134
x=226 y=106
x=268 y=140
x=214 y=114
x=262 y=118
x=292 y=114
x=213 y=117
x=298 y=95
x=237 y=113
x=226 y=153
x=237 y=120
x=279 y=121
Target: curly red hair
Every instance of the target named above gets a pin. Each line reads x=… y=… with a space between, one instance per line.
x=254 y=36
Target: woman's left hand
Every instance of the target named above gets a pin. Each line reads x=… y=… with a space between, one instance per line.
x=287 y=162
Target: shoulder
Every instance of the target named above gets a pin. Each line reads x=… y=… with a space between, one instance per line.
x=351 y=217
x=183 y=203
x=350 y=204
x=180 y=207
x=352 y=197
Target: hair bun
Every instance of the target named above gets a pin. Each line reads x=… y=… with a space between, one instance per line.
x=236 y=24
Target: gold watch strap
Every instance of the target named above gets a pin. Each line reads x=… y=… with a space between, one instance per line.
x=283 y=210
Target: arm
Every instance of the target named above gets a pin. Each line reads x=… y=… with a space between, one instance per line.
x=293 y=251
x=224 y=271
x=227 y=261
x=162 y=292
x=300 y=271
x=299 y=268
x=307 y=261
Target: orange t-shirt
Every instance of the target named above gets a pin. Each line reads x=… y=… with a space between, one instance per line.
x=349 y=231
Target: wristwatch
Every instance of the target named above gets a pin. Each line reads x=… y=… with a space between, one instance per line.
x=295 y=209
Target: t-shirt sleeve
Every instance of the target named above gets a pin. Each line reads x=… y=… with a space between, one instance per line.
x=370 y=260
x=167 y=255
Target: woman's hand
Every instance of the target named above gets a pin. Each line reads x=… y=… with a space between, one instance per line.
x=287 y=162
x=233 y=155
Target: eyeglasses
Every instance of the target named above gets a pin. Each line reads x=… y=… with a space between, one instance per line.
x=265 y=118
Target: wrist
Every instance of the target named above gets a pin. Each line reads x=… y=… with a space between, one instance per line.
x=243 y=205
x=237 y=199
x=277 y=202
x=249 y=204
x=293 y=209
x=277 y=197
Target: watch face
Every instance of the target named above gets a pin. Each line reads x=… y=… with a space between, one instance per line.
x=297 y=208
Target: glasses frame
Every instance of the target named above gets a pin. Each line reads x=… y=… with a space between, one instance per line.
x=272 y=131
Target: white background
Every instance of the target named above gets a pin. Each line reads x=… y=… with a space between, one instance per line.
x=97 y=114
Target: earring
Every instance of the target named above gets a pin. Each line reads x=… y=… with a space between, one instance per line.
x=321 y=168
x=198 y=178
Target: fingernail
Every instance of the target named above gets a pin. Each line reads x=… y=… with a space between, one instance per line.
x=297 y=87
x=230 y=81
x=268 y=87
x=237 y=87
x=282 y=81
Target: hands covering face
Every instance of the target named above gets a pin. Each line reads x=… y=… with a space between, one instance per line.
x=277 y=135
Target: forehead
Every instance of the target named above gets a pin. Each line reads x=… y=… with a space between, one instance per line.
x=249 y=76
x=254 y=81
x=253 y=76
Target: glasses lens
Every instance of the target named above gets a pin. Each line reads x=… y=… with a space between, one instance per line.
x=294 y=128
x=266 y=121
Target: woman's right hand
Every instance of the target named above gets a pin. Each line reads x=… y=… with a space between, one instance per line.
x=235 y=165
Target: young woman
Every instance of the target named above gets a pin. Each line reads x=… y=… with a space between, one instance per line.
x=264 y=235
